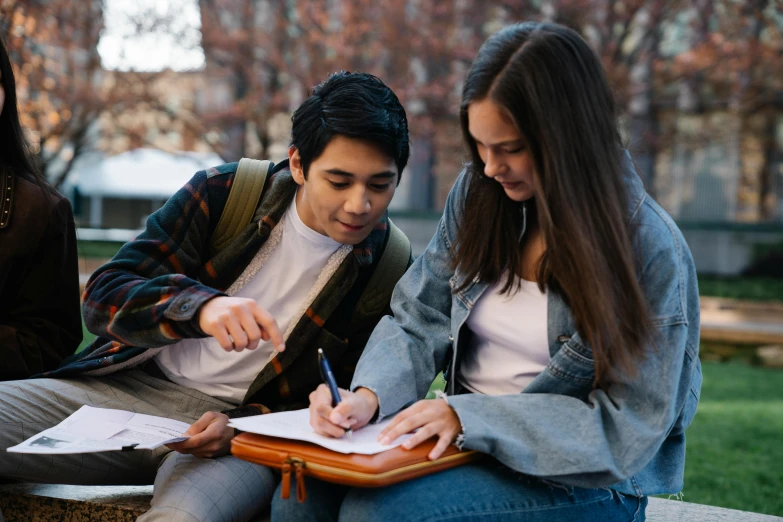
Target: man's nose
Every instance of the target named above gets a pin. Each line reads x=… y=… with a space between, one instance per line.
x=357 y=202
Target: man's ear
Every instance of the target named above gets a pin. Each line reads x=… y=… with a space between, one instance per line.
x=295 y=164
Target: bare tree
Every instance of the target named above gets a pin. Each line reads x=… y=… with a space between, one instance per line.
x=69 y=104
x=53 y=47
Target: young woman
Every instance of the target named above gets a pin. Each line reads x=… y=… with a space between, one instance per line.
x=559 y=300
x=40 y=322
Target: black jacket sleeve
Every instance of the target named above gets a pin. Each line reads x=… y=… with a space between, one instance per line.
x=42 y=323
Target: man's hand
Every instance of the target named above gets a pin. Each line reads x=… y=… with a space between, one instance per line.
x=354 y=411
x=210 y=437
x=238 y=323
x=430 y=417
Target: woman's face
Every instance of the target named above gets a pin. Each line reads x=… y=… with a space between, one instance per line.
x=501 y=147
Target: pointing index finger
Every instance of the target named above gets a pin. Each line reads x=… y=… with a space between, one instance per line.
x=268 y=323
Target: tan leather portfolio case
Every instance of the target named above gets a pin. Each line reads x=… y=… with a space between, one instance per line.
x=305 y=459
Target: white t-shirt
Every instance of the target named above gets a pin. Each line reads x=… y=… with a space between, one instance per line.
x=280 y=286
x=509 y=346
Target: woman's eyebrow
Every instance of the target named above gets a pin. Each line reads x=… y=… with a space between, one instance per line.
x=499 y=144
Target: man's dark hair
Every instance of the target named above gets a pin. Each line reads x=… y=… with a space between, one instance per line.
x=355 y=105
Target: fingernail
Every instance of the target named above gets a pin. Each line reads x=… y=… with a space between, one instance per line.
x=385 y=441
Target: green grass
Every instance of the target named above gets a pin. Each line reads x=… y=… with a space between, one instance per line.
x=735 y=444
x=439 y=384
x=87 y=338
x=751 y=288
x=101 y=249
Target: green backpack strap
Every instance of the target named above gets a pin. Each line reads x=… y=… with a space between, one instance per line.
x=391 y=267
x=242 y=201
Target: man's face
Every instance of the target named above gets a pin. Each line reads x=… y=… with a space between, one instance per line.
x=347 y=189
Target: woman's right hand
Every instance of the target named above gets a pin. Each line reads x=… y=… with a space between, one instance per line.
x=354 y=411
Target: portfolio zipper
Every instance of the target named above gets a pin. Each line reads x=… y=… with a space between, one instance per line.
x=299 y=465
x=285 y=487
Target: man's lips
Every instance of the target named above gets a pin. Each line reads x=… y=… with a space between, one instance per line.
x=352 y=227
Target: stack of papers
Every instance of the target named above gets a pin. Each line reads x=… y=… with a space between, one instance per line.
x=296 y=425
x=91 y=430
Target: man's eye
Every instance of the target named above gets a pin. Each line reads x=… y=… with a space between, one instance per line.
x=379 y=187
x=338 y=185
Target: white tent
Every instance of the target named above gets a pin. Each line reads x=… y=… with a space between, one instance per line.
x=142 y=173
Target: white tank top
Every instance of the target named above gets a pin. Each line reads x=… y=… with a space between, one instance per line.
x=509 y=346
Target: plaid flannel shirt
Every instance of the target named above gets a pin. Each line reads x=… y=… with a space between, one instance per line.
x=148 y=295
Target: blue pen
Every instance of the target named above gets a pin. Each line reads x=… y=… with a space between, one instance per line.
x=328 y=378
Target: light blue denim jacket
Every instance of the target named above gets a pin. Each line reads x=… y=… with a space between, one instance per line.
x=630 y=437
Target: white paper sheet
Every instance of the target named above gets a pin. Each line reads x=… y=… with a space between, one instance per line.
x=90 y=430
x=296 y=425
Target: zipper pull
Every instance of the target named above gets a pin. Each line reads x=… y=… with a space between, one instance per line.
x=285 y=485
x=301 y=494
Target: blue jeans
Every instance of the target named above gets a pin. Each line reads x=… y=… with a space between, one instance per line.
x=485 y=491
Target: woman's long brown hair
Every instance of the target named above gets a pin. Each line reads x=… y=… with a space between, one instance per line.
x=555 y=89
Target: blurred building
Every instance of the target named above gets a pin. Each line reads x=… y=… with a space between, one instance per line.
x=717 y=172
x=259 y=64
x=121 y=191
x=164 y=115
x=140 y=153
x=714 y=160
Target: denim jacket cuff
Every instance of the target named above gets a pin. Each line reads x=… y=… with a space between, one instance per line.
x=378 y=416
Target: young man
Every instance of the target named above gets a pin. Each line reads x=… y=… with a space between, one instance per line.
x=201 y=336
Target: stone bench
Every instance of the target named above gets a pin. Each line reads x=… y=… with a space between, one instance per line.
x=662 y=510
x=742 y=322
x=50 y=503
x=45 y=503
x=25 y=502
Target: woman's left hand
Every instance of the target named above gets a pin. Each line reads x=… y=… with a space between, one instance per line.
x=430 y=417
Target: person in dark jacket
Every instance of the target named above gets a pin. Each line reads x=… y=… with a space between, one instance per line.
x=40 y=321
